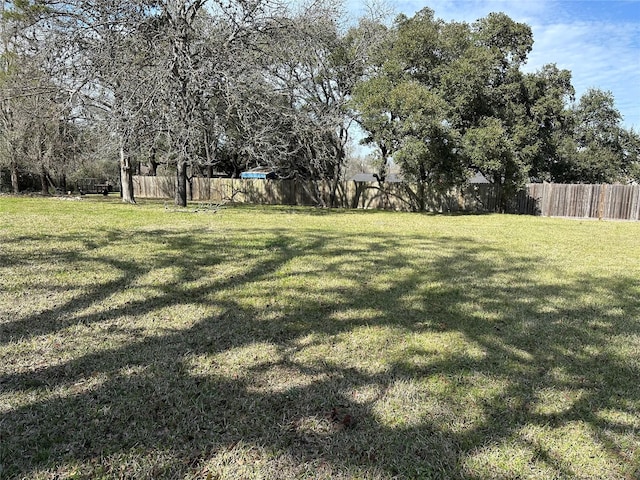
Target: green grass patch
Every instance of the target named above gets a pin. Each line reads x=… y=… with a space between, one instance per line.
x=148 y=342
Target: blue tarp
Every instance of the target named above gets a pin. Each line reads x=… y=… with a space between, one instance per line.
x=258 y=175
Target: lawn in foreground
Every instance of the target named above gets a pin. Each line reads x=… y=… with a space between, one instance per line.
x=145 y=342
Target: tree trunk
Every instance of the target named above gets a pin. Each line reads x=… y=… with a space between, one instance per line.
x=181 y=183
x=15 y=186
x=126 y=177
x=340 y=156
x=153 y=164
x=421 y=194
x=422 y=204
x=44 y=184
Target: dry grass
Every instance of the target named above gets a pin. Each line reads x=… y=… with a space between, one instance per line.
x=142 y=342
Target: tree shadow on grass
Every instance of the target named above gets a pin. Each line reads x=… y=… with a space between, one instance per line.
x=457 y=363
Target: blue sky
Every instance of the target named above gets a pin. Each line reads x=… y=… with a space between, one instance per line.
x=597 y=40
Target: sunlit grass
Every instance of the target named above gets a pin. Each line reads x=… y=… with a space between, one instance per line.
x=152 y=342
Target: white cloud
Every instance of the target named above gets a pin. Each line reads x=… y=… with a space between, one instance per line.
x=599 y=55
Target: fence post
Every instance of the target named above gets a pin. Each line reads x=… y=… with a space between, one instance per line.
x=603 y=190
x=547 y=189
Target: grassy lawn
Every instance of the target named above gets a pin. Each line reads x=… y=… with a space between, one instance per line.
x=265 y=343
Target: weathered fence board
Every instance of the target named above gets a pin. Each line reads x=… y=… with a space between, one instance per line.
x=621 y=202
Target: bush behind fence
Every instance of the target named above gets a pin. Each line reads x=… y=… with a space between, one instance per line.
x=620 y=202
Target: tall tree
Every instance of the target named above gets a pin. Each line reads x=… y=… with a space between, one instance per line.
x=630 y=141
x=499 y=121
x=403 y=107
x=599 y=155
x=547 y=125
x=183 y=83
x=314 y=69
x=36 y=107
x=450 y=98
x=205 y=40
x=114 y=47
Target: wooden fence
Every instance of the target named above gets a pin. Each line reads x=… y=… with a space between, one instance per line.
x=620 y=202
x=344 y=194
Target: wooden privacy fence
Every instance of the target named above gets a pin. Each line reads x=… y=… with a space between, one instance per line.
x=618 y=202
x=345 y=194
x=621 y=202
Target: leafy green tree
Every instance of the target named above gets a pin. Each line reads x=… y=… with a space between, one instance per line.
x=549 y=122
x=427 y=150
x=598 y=156
x=496 y=129
x=439 y=82
x=402 y=107
x=379 y=117
x=630 y=141
x=523 y=139
x=448 y=97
